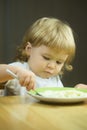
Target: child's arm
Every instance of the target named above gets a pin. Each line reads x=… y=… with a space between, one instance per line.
x=26 y=78
x=81 y=86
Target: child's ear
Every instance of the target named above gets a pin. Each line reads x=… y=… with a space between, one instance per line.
x=28 y=48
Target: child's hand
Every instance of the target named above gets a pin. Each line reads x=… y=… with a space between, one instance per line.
x=81 y=86
x=26 y=78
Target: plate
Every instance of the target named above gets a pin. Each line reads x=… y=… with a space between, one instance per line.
x=60 y=95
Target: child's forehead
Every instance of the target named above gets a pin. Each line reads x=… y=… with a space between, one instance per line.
x=52 y=52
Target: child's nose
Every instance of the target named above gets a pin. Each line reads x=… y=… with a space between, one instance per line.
x=52 y=65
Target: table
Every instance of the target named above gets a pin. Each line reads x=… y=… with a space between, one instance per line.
x=26 y=113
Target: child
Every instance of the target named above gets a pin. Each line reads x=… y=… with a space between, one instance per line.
x=25 y=78
x=47 y=49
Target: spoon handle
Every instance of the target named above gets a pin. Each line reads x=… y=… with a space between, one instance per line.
x=12 y=74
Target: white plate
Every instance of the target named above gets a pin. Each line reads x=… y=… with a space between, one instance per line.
x=64 y=99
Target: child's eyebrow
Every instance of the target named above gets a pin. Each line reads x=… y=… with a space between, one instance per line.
x=53 y=56
x=46 y=54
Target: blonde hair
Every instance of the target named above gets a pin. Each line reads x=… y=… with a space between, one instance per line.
x=53 y=33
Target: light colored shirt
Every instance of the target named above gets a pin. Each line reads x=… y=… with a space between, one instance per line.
x=13 y=87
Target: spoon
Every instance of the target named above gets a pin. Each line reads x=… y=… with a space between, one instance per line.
x=12 y=74
x=16 y=77
x=37 y=93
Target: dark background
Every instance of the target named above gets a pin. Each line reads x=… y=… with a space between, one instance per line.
x=17 y=15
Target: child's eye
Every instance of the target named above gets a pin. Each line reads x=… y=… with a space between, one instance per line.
x=58 y=62
x=46 y=58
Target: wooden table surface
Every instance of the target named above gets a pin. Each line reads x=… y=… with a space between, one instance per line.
x=26 y=113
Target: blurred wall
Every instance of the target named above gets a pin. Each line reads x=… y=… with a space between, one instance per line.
x=17 y=15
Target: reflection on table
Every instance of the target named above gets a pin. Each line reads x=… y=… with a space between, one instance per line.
x=26 y=113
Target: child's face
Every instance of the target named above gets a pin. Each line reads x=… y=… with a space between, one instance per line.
x=45 y=62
